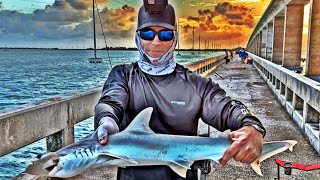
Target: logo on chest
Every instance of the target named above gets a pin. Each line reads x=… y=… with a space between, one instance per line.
x=179 y=103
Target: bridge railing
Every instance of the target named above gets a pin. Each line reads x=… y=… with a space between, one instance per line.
x=206 y=66
x=54 y=118
x=298 y=94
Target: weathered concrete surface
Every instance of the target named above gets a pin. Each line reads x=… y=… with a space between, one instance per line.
x=32 y=122
x=278 y=25
x=264 y=43
x=269 y=43
x=242 y=82
x=293 y=39
x=313 y=58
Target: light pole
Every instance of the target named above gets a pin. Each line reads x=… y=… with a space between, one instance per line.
x=178 y=30
x=192 y=40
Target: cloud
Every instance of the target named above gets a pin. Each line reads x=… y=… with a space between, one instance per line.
x=225 y=23
x=84 y=4
x=72 y=19
x=120 y=22
x=15 y=22
x=235 y=14
x=69 y=19
x=61 y=11
x=223 y=13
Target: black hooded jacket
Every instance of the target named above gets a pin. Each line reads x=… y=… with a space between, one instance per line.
x=178 y=99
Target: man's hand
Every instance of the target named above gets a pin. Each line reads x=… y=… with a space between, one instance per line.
x=106 y=127
x=246 y=147
x=102 y=134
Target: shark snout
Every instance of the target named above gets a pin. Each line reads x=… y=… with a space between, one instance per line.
x=43 y=165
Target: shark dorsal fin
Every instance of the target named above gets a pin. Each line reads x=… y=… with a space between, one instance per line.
x=141 y=121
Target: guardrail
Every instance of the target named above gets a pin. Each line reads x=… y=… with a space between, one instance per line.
x=54 y=118
x=298 y=94
x=206 y=66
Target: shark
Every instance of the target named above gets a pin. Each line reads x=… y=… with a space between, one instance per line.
x=138 y=145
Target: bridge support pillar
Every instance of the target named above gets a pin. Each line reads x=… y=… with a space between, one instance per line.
x=313 y=56
x=293 y=35
x=269 y=42
x=256 y=45
x=278 y=28
x=264 y=43
x=260 y=44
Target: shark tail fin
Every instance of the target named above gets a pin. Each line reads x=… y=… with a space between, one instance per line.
x=270 y=149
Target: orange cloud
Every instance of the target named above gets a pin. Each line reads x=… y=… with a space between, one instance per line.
x=84 y=4
x=226 y=23
x=238 y=15
x=119 y=22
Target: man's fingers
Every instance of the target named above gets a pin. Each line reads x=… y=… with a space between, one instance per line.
x=240 y=156
x=235 y=135
x=102 y=132
x=243 y=157
x=230 y=152
x=103 y=141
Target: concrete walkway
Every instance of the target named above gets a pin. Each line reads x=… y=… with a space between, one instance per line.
x=242 y=82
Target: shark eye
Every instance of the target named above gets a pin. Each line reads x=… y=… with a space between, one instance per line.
x=39 y=156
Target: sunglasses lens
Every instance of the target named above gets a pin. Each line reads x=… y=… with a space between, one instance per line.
x=166 y=35
x=147 y=35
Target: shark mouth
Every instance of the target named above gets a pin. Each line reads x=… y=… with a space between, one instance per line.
x=43 y=165
x=49 y=168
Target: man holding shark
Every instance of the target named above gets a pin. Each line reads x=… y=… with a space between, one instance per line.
x=178 y=97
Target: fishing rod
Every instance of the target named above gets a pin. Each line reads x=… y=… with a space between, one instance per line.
x=104 y=37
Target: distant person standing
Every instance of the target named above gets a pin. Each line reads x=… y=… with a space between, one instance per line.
x=243 y=55
x=227 y=56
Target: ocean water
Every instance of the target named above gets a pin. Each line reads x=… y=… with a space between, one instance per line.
x=30 y=75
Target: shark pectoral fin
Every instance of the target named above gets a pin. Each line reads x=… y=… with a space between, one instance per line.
x=180 y=170
x=270 y=149
x=184 y=163
x=215 y=158
x=118 y=157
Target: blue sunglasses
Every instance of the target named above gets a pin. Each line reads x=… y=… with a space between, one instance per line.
x=149 y=34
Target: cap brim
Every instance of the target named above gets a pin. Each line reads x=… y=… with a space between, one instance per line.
x=166 y=25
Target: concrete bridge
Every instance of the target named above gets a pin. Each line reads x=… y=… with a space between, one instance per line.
x=287 y=102
x=277 y=38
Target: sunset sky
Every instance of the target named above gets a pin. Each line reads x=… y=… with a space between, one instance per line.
x=68 y=23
